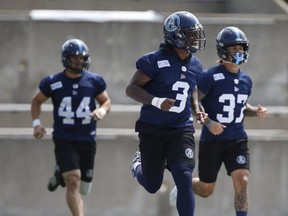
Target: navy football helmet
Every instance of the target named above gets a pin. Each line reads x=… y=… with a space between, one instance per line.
x=231 y=36
x=75 y=47
x=183 y=30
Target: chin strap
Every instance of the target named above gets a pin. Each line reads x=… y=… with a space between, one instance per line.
x=76 y=71
x=192 y=49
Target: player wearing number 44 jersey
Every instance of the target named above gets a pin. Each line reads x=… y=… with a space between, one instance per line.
x=224 y=90
x=74 y=93
x=165 y=82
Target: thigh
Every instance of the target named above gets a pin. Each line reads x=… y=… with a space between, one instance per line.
x=237 y=156
x=87 y=154
x=66 y=154
x=181 y=148
x=210 y=160
x=152 y=154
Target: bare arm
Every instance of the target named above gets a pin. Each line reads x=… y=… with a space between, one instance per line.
x=36 y=103
x=195 y=101
x=37 y=100
x=105 y=105
x=136 y=91
x=214 y=127
x=259 y=111
x=197 y=110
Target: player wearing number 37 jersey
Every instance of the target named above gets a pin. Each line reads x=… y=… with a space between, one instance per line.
x=74 y=93
x=226 y=94
x=224 y=90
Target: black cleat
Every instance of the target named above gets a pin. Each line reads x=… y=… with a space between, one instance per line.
x=54 y=181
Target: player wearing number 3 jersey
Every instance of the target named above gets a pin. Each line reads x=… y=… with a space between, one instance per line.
x=74 y=93
x=224 y=90
x=165 y=82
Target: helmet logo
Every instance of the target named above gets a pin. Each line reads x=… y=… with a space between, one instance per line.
x=172 y=23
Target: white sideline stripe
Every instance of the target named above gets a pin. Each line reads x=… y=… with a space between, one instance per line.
x=102 y=133
x=116 y=133
x=96 y=16
x=16 y=107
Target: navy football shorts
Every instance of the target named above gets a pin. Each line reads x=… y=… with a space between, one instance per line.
x=233 y=153
x=71 y=155
x=159 y=150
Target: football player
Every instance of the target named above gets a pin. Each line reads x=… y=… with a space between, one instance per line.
x=224 y=90
x=73 y=92
x=165 y=82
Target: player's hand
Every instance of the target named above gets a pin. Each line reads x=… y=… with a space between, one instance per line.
x=167 y=104
x=214 y=127
x=39 y=132
x=261 y=112
x=98 y=114
x=201 y=117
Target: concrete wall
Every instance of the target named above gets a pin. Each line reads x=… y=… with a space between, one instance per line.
x=27 y=164
x=31 y=49
x=203 y=6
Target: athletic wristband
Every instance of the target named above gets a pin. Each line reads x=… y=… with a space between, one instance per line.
x=156 y=101
x=102 y=111
x=208 y=123
x=36 y=122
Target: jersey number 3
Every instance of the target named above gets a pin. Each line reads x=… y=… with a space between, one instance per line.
x=181 y=97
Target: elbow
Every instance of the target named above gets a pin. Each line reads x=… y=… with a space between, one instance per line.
x=128 y=91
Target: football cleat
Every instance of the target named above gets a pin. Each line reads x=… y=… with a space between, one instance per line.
x=173 y=196
x=54 y=181
x=135 y=162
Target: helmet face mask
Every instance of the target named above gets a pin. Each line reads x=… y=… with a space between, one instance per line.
x=227 y=40
x=236 y=54
x=182 y=30
x=75 y=47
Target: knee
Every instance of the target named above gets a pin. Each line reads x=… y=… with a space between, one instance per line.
x=240 y=180
x=152 y=184
x=182 y=175
x=205 y=192
x=151 y=190
x=242 y=183
x=72 y=181
x=202 y=189
x=244 y=180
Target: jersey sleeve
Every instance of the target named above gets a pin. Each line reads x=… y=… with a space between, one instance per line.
x=146 y=64
x=205 y=83
x=44 y=86
x=250 y=83
x=101 y=85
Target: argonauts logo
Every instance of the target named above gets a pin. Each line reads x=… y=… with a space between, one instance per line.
x=172 y=23
x=189 y=153
x=89 y=173
x=241 y=159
